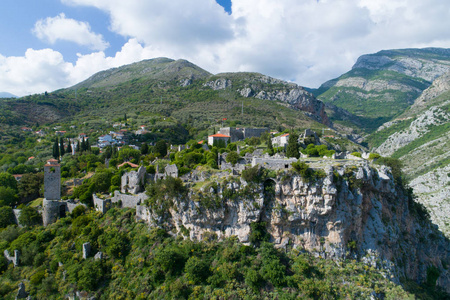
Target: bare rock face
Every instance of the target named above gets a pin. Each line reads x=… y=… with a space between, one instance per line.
x=268 y=88
x=425 y=68
x=434 y=116
x=352 y=211
x=219 y=84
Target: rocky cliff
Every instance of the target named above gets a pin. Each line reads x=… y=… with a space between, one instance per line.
x=254 y=85
x=347 y=211
x=421 y=141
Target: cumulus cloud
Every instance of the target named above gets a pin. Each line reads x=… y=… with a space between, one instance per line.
x=305 y=41
x=45 y=70
x=66 y=29
x=181 y=25
x=35 y=72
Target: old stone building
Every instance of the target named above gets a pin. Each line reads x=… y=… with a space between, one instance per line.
x=53 y=208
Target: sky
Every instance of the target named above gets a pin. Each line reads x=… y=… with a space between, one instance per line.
x=51 y=44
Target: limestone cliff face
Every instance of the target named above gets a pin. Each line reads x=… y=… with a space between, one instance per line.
x=267 y=88
x=352 y=211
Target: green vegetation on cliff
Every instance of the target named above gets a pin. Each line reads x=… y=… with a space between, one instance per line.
x=143 y=263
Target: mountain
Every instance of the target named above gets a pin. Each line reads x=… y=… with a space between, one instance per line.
x=399 y=100
x=158 y=69
x=164 y=74
x=381 y=86
x=420 y=138
x=7 y=95
x=177 y=99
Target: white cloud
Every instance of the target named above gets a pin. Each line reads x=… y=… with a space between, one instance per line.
x=62 y=28
x=306 y=41
x=181 y=25
x=301 y=40
x=45 y=70
x=36 y=72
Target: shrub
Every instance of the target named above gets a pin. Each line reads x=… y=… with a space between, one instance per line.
x=171 y=260
x=373 y=156
x=258 y=233
x=78 y=211
x=357 y=154
x=37 y=277
x=115 y=242
x=251 y=174
x=197 y=269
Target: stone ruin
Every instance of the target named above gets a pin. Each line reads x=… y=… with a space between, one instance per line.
x=133 y=182
x=12 y=259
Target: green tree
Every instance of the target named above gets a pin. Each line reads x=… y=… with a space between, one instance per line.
x=69 y=147
x=6 y=216
x=83 y=145
x=61 y=147
x=197 y=269
x=292 y=147
x=270 y=150
x=232 y=157
x=8 y=196
x=7 y=180
x=29 y=216
x=30 y=186
x=56 y=149
x=161 y=148
x=129 y=154
x=144 y=149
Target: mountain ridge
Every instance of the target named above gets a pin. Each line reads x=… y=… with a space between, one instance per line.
x=383 y=85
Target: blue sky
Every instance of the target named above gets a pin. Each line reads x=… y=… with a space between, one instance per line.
x=51 y=44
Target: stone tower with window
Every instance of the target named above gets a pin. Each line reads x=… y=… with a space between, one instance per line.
x=53 y=207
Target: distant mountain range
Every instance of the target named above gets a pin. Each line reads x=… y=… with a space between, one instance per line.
x=381 y=86
x=7 y=95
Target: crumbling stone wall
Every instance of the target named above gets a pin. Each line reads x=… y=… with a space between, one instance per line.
x=129 y=200
x=102 y=205
x=171 y=170
x=254 y=132
x=273 y=163
x=133 y=182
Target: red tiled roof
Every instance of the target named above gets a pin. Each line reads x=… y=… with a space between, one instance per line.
x=220 y=135
x=286 y=134
x=201 y=142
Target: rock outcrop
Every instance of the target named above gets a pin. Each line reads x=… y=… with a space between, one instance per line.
x=351 y=211
x=435 y=116
x=268 y=88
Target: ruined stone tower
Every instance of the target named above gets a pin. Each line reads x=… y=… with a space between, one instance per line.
x=52 y=180
x=53 y=207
